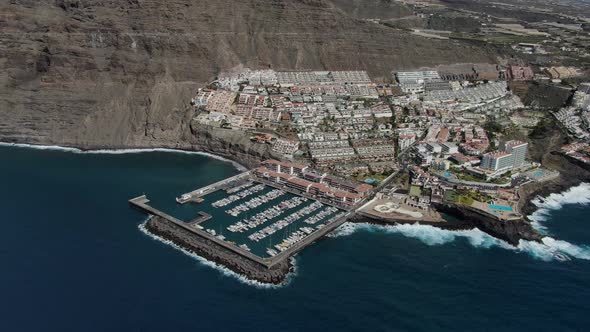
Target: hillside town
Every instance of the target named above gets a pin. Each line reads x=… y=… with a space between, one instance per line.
x=451 y=134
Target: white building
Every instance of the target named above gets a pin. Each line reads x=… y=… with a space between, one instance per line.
x=449 y=148
x=405 y=141
x=518 y=149
x=497 y=161
x=416 y=76
x=434 y=147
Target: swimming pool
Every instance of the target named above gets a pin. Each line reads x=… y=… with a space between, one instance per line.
x=500 y=207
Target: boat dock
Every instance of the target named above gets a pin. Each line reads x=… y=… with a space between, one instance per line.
x=197 y=195
x=142 y=203
x=302 y=194
x=200 y=219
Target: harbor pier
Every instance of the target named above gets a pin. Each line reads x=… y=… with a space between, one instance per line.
x=142 y=203
x=197 y=195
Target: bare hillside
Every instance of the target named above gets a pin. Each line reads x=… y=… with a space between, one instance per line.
x=121 y=73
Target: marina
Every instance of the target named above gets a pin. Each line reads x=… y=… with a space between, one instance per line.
x=265 y=219
x=263 y=222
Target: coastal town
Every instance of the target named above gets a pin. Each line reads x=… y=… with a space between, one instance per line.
x=427 y=147
x=454 y=145
x=453 y=135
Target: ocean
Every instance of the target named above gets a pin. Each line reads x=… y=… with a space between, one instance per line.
x=75 y=259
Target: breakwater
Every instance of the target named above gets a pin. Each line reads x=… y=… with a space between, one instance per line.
x=212 y=251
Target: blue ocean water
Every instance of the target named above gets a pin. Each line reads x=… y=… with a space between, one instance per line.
x=74 y=260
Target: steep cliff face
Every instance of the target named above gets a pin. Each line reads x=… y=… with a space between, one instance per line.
x=121 y=73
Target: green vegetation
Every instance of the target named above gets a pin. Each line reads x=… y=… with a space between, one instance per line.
x=465 y=200
x=450 y=196
x=402 y=179
x=542 y=128
x=415 y=191
x=513 y=39
x=472 y=178
x=465 y=197
x=492 y=127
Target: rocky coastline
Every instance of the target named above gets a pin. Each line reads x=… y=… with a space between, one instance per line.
x=236 y=146
x=209 y=250
x=571 y=175
x=510 y=231
x=361 y=218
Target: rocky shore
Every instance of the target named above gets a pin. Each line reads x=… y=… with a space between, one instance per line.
x=571 y=175
x=215 y=253
x=510 y=231
x=545 y=149
x=229 y=144
x=236 y=146
x=364 y=218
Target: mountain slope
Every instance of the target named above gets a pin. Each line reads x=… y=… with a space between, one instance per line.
x=121 y=73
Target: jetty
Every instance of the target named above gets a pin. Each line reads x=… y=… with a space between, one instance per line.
x=142 y=203
x=196 y=196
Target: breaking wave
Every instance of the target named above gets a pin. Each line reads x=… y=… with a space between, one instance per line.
x=575 y=195
x=429 y=235
x=124 y=151
x=550 y=248
x=222 y=269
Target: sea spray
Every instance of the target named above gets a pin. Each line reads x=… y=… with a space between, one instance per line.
x=574 y=195
x=429 y=235
x=222 y=269
x=433 y=236
x=237 y=165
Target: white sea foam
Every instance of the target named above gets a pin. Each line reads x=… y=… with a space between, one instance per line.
x=433 y=236
x=429 y=235
x=550 y=247
x=222 y=269
x=575 y=195
x=124 y=151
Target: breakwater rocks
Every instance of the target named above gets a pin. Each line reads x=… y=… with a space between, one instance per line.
x=215 y=253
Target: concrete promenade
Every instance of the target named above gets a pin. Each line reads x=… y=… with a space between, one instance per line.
x=200 y=219
x=204 y=191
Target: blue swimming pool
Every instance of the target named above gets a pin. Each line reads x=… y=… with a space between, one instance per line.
x=500 y=207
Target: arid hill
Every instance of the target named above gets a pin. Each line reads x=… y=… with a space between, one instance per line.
x=121 y=73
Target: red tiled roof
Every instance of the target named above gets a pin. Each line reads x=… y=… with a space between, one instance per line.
x=299 y=181
x=340 y=193
x=363 y=188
